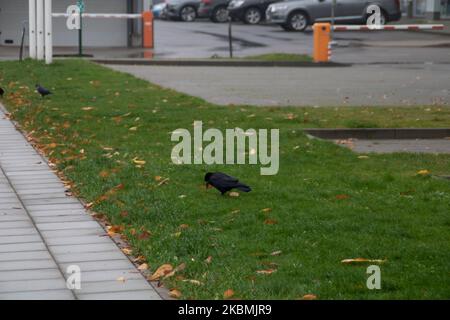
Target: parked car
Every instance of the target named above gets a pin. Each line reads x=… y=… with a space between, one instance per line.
x=249 y=11
x=216 y=10
x=297 y=15
x=184 y=10
x=160 y=10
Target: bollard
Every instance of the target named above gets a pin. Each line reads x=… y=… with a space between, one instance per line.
x=322 y=44
x=147 y=33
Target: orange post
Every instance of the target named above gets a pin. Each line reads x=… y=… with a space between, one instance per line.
x=322 y=49
x=147 y=32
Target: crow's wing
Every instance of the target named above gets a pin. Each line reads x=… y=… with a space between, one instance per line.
x=225 y=177
x=223 y=180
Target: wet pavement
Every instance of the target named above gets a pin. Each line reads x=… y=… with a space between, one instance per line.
x=203 y=39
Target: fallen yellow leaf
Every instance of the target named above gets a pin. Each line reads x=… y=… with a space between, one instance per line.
x=423 y=172
x=139 y=162
x=268 y=271
x=309 y=297
x=362 y=260
x=234 y=194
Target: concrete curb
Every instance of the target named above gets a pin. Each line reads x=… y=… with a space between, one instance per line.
x=219 y=63
x=375 y=133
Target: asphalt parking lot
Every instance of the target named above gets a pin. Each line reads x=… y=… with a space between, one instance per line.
x=389 y=68
x=204 y=39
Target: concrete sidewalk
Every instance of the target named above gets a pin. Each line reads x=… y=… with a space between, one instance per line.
x=43 y=232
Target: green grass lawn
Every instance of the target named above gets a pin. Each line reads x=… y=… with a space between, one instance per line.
x=326 y=204
x=281 y=57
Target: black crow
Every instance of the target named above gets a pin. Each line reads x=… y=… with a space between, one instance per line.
x=2 y=92
x=42 y=91
x=224 y=183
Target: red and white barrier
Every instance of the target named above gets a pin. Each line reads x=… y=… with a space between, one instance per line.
x=102 y=15
x=398 y=27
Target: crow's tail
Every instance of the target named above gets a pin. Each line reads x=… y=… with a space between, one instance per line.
x=243 y=187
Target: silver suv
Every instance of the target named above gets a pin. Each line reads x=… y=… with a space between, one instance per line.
x=297 y=15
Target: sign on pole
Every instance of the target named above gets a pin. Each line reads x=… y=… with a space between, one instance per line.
x=81 y=6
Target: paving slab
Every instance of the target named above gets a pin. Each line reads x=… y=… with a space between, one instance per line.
x=43 y=232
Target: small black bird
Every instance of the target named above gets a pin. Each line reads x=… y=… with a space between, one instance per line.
x=224 y=183
x=2 y=92
x=42 y=91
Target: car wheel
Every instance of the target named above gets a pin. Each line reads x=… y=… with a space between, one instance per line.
x=188 y=14
x=252 y=16
x=220 y=14
x=297 y=21
x=285 y=27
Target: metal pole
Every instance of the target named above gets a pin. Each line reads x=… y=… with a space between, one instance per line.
x=333 y=19
x=80 y=36
x=22 y=40
x=230 y=37
x=40 y=29
x=32 y=28
x=48 y=32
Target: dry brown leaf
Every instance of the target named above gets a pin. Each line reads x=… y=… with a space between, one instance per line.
x=265 y=210
x=158 y=178
x=87 y=108
x=143 y=267
x=270 y=221
x=276 y=253
x=139 y=259
x=124 y=214
x=208 y=260
x=342 y=196
x=174 y=293
x=121 y=279
x=161 y=271
x=423 y=172
x=309 y=297
x=127 y=251
x=104 y=174
x=234 y=194
x=144 y=235
x=228 y=294
x=181 y=267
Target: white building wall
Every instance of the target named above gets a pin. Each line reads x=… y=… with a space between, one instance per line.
x=97 y=32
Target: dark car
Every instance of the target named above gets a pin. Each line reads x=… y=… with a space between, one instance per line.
x=184 y=10
x=216 y=10
x=249 y=11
